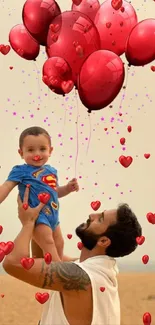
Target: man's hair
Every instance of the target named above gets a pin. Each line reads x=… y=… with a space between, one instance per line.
x=123 y=233
x=34 y=130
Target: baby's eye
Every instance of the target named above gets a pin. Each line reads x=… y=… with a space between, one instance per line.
x=30 y=150
x=43 y=149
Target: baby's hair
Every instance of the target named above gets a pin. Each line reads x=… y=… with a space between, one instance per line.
x=34 y=130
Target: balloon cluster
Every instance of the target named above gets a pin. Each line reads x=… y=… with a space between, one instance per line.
x=84 y=45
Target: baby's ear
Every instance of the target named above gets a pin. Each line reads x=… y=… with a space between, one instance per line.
x=51 y=150
x=20 y=153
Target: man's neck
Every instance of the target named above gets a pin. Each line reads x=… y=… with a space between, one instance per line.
x=85 y=254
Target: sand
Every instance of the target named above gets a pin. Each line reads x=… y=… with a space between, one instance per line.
x=19 y=307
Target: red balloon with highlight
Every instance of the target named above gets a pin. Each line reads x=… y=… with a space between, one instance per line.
x=38 y=15
x=56 y=71
x=140 y=47
x=100 y=80
x=23 y=43
x=87 y=7
x=74 y=39
x=114 y=26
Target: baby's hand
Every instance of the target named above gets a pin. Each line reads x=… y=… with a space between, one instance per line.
x=73 y=185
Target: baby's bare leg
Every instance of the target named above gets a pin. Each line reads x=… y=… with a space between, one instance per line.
x=43 y=235
x=59 y=241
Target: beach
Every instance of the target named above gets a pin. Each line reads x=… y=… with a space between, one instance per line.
x=19 y=306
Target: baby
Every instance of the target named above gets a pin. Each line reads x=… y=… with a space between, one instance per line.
x=35 y=148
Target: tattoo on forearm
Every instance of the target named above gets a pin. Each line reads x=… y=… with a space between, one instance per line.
x=71 y=275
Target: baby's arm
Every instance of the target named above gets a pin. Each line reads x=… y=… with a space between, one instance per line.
x=71 y=186
x=5 y=189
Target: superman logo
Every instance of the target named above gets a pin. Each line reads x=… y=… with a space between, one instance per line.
x=50 y=180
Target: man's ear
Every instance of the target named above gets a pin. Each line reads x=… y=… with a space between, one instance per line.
x=20 y=153
x=104 y=242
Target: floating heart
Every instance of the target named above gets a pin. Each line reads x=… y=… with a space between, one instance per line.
x=79 y=245
x=129 y=128
x=1 y=229
x=140 y=240
x=125 y=161
x=151 y=217
x=108 y=25
x=10 y=68
x=8 y=247
x=116 y=4
x=28 y=185
x=25 y=206
x=147 y=155
x=95 y=205
x=147 y=319
x=76 y=2
x=102 y=289
x=27 y=263
x=54 y=37
x=48 y=258
x=44 y=197
x=153 y=68
x=5 y=49
x=105 y=129
x=122 y=141
x=2 y=295
x=145 y=259
x=67 y=86
x=36 y=158
x=2 y=254
x=42 y=297
x=69 y=236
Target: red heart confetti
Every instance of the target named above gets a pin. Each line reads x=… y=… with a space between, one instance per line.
x=79 y=245
x=27 y=263
x=7 y=247
x=145 y=259
x=116 y=4
x=129 y=128
x=102 y=289
x=1 y=229
x=125 y=161
x=2 y=254
x=122 y=141
x=147 y=155
x=140 y=240
x=2 y=295
x=151 y=217
x=5 y=49
x=10 y=68
x=153 y=68
x=25 y=206
x=28 y=185
x=147 y=319
x=95 y=205
x=108 y=25
x=76 y=2
x=122 y=9
x=48 y=258
x=54 y=28
x=44 y=197
x=42 y=297
x=69 y=236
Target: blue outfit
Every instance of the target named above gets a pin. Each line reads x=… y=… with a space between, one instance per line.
x=42 y=180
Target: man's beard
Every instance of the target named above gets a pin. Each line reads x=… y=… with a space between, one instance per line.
x=88 y=238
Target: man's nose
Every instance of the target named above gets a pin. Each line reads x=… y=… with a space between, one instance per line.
x=92 y=217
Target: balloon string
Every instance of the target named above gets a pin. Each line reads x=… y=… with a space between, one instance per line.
x=65 y=108
x=126 y=82
x=77 y=135
x=89 y=134
x=39 y=89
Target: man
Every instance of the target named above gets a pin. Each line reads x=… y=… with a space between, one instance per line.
x=83 y=292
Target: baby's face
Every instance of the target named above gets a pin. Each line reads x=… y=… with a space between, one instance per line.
x=36 y=146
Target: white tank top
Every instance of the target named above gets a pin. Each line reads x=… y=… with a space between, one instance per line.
x=102 y=271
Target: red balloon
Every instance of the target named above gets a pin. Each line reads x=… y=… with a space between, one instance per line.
x=73 y=36
x=114 y=26
x=57 y=75
x=23 y=43
x=140 y=47
x=37 y=16
x=100 y=80
x=87 y=7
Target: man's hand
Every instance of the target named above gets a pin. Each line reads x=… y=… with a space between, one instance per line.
x=73 y=186
x=30 y=214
